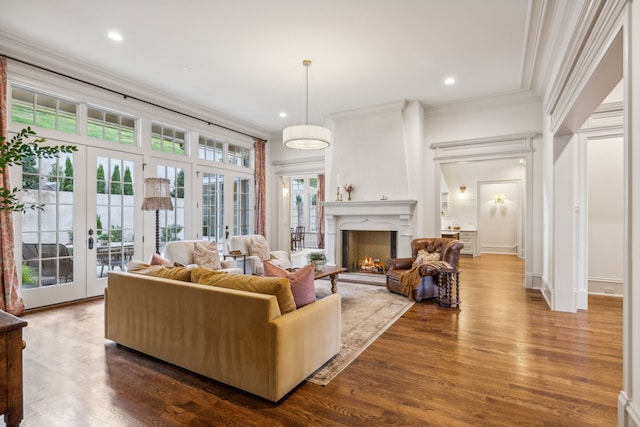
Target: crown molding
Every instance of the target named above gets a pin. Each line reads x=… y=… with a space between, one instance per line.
x=391 y=107
x=534 y=32
x=505 y=99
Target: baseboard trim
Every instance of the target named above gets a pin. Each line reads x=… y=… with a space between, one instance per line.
x=628 y=415
x=609 y=287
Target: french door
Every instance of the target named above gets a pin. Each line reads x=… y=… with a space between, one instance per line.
x=87 y=225
x=227 y=204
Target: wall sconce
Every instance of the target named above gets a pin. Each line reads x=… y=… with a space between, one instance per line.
x=498 y=199
x=285 y=190
x=463 y=188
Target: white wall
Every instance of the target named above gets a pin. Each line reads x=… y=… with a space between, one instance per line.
x=605 y=213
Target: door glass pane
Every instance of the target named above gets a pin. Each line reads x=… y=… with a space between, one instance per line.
x=47 y=233
x=212 y=206
x=115 y=214
x=241 y=206
x=172 y=222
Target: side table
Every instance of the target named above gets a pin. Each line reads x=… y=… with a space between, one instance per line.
x=236 y=256
x=446 y=281
x=11 y=345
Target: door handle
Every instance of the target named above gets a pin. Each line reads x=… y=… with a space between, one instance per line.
x=90 y=241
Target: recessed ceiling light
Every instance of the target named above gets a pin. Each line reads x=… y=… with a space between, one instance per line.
x=115 y=36
x=283 y=114
x=449 y=81
x=185 y=68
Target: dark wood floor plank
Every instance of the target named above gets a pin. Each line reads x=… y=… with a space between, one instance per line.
x=502 y=359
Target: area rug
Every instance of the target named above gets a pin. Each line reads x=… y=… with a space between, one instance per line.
x=367 y=311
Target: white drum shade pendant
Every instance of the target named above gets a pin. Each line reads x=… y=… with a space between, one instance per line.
x=306 y=137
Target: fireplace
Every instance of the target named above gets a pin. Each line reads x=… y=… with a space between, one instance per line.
x=391 y=217
x=366 y=251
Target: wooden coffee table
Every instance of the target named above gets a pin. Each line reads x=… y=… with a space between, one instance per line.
x=332 y=273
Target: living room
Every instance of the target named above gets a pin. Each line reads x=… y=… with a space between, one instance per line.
x=537 y=126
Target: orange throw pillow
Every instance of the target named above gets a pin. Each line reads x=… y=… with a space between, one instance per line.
x=302 y=287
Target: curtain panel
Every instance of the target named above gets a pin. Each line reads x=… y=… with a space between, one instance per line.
x=11 y=298
x=260 y=180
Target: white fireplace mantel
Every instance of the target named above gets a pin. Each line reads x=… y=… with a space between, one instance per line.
x=372 y=207
x=384 y=215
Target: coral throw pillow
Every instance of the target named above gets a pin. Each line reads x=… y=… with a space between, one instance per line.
x=304 y=292
x=206 y=256
x=258 y=246
x=158 y=260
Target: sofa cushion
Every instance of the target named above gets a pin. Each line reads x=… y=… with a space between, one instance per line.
x=279 y=287
x=258 y=246
x=176 y=273
x=206 y=256
x=302 y=282
x=281 y=259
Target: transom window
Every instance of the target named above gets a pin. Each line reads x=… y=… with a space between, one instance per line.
x=210 y=149
x=168 y=139
x=238 y=156
x=46 y=111
x=111 y=126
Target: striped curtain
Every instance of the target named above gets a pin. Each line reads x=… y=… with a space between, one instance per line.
x=10 y=298
x=260 y=180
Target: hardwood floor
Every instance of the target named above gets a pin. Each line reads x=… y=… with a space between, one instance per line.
x=503 y=359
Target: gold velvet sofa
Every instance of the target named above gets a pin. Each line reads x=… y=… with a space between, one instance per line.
x=236 y=337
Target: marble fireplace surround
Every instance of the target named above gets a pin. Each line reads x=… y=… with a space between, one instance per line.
x=377 y=215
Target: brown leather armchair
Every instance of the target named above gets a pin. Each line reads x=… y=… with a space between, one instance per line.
x=449 y=250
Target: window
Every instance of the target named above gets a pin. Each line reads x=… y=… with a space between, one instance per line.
x=172 y=222
x=238 y=156
x=242 y=206
x=304 y=202
x=210 y=149
x=110 y=126
x=37 y=109
x=212 y=206
x=47 y=233
x=168 y=139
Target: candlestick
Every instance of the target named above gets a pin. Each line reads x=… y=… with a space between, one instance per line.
x=338 y=193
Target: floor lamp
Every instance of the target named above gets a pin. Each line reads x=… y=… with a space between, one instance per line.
x=156 y=191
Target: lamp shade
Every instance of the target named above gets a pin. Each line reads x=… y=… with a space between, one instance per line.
x=306 y=137
x=157 y=197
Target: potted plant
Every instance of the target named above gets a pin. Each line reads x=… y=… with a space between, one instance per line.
x=319 y=259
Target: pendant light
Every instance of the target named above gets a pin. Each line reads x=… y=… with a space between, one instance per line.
x=306 y=137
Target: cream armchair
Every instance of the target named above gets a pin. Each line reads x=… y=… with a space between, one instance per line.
x=247 y=245
x=182 y=251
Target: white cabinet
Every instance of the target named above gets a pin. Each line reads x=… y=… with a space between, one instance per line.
x=469 y=238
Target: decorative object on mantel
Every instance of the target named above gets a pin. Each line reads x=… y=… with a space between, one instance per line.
x=384 y=197
x=338 y=194
x=348 y=188
x=306 y=137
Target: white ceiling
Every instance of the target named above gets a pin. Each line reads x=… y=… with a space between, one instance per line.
x=244 y=57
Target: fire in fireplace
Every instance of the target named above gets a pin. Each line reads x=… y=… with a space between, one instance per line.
x=372 y=265
x=367 y=251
